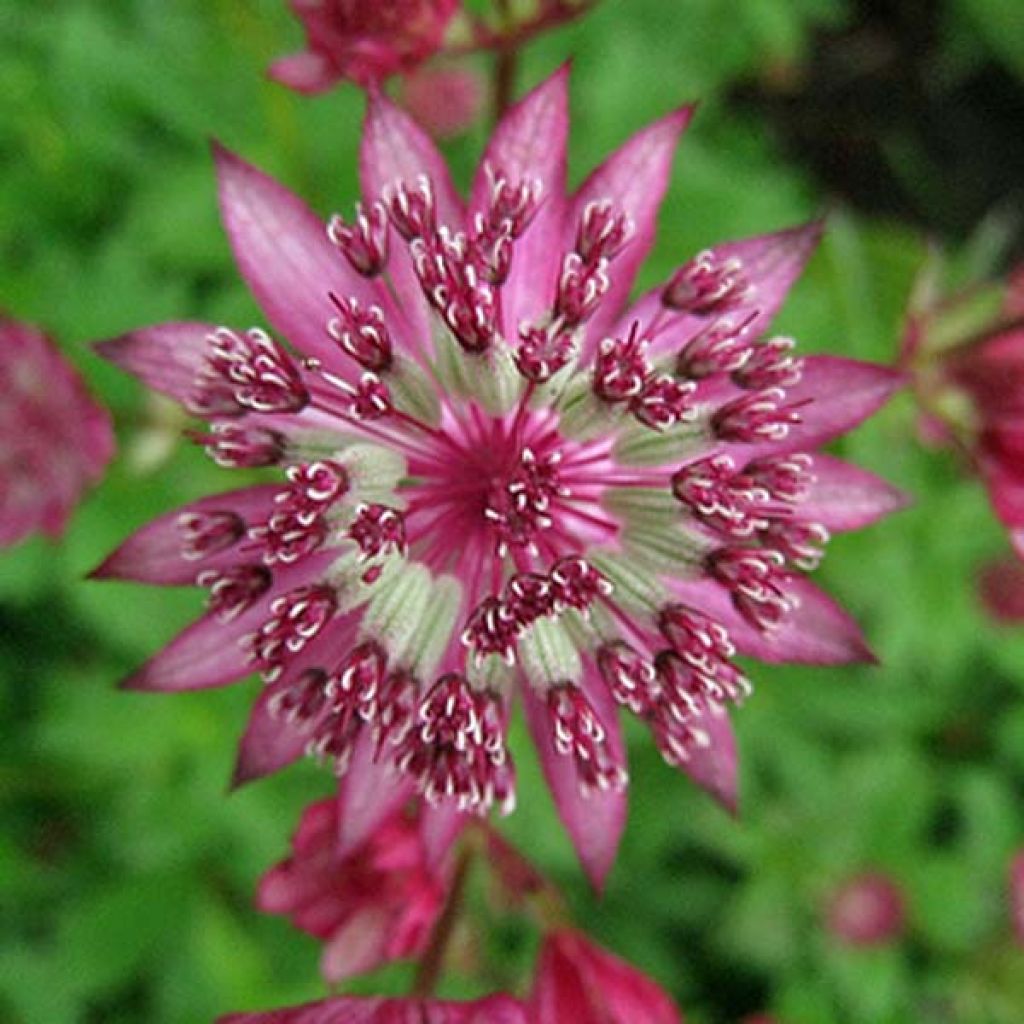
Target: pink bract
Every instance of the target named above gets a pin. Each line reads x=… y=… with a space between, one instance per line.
x=498 y=1009
x=54 y=439
x=578 y=981
x=361 y=41
x=502 y=480
x=377 y=904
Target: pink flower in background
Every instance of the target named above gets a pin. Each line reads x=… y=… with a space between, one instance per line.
x=578 y=981
x=498 y=1009
x=377 y=904
x=1017 y=896
x=362 y=41
x=54 y=439
x=501 y=481
x=1001 y=587
x=444 y=100
x=867 y=910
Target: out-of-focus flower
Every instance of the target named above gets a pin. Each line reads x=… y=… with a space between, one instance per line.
x=1017 y=896
x=867 y=910
x=445 y=99
x=580 y=982
x=497 y=1009
x=967 y=365
x=501 y=480
x=361 y=41
x=1001 y=586
x=54 y=439
x=377 y=904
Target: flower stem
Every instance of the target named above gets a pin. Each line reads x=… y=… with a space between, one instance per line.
x=429 y=969
x=506 y=62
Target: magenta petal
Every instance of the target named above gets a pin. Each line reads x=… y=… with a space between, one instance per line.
x=634 y=178
x=846 y=497
x=530 y=143
x=305 y=72
x=345 y=1010
x=165 y=357
x=715 y=767
x=358 y=945
x=267 y=745
x=818 y=632
x=370 y=791
x=153 y=554
x=282 y=250
x=440 y=827
x=594 y=821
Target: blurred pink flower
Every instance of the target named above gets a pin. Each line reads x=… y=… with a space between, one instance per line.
x=578 y=981
x=361 y=41
x=502 y=480
x=444 y=100
x=1001 y=586
x=55 y=439
x=1017 y=896
x=867 y=910
x=376 y=904
x=497 y=1009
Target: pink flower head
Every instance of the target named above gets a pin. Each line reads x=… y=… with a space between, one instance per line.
x=1017 y=896
x=501 y=480
x=444 y=100
x=496 y=1009
x=867 y=910
x=361 y=41
x=377 y=904
x=580 y=982
x=55 y=439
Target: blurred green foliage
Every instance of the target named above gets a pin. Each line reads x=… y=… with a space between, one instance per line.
x=127 y=870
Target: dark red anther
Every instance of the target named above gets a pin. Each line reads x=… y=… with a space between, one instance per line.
x=234 y=446
x=358 y=677
x=802 y=544
x=511 y=205
x=581 y=287
x=721 y=347
x=787 y=478
x=396 y=708
x=492 y=628
x=296 y=617
x=621 y=368
x=603 y=232
x=628 y=675
x=757 y=583
x=364 y=243
x=695 y=636
x=718 y=496
x=543 y=351
x=770 y=366
x=676 y=716
x=529 y=596
x=577 y=584
x=378 y=529
x=758 y=416
x=664 y=402
x=680 y=688
x=234 y=590
x=370 y=399
x=708 y=284
x=289 y=536
x=314 y=486
x=300 y=700
x=251 y=370
x=490 y=249
x=577 y=732
x=412 y=210
x=362 y=333
x=208 y=532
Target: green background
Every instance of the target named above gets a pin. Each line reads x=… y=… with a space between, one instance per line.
x=127 y=871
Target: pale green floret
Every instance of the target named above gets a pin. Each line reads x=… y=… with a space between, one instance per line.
x=345 y=575
x=638 y=445
x=492 y=378
x=374 y=471
x=413 y=392
x=434 y=629
x=584 y=415
x=642 y=507
x=666 y=549
x=636 y=588
x=492 y=673
x=397 y=609
x=548 y=654
x=450 y=362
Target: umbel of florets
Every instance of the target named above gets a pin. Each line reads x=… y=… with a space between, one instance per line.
x=501 y=482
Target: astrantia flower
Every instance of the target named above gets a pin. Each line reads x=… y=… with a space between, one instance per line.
x=377 y=904
x=498 y=1009
x=54 y=439
x=578 y=981
x=867 y=910
x=499 y=481
x=361 y=41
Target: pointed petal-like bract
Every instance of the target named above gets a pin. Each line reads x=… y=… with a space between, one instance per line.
x=496 y=1009
x=846 y=497
x=267 y=745
x=305 y=72
x=530 y=143
x=165 y=357
x=634 y=178
x=715 y=767
x=154 y=553
x=593 y=820
x=282 y=249
x=578 y=981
